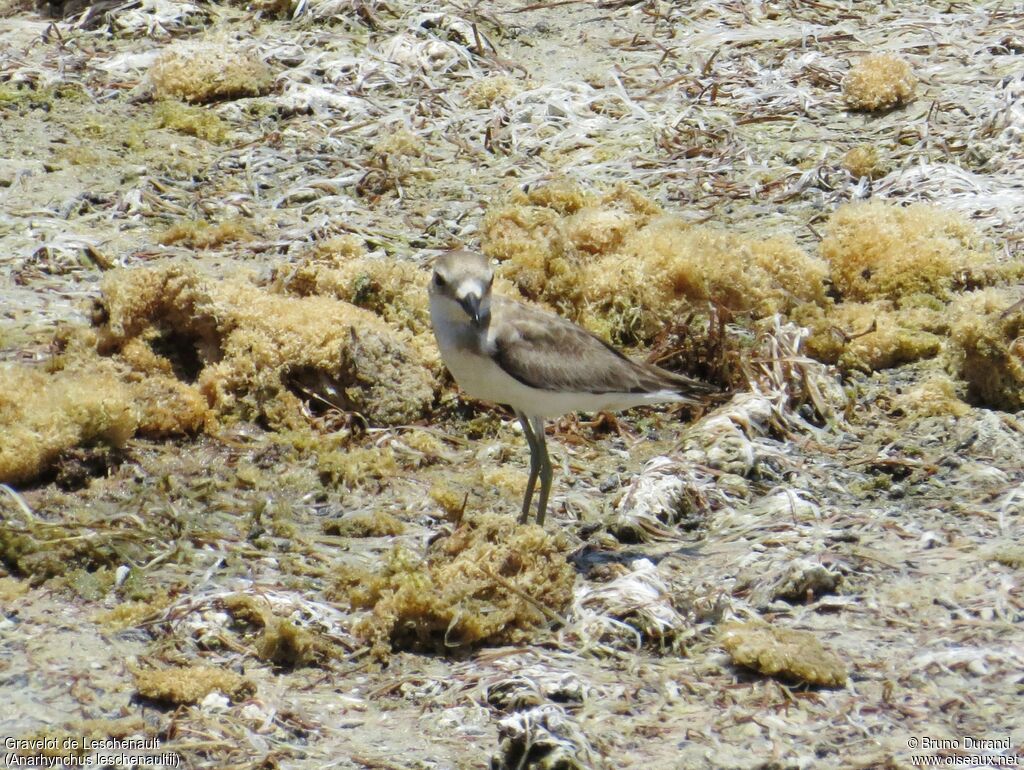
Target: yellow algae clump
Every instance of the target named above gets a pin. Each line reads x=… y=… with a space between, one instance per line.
x=81 y=549
x=563 y=196
x=669 y=259
x=868 y=336
x=863 y=161
x=879 y=250
x=620 y=266
x=248 y=609
x=167 y=310
x=1009 y=556
x=131 y=613
x=394 y=290
x=782 y=652
x=451 y=501
x=198 y=234
x=597 y=230
x=343 y=353
x=879 y=82
x=173 y=350
x=355 y=467
x=167 y=406
x=260 y=355
x=11 y=589
x=43 y=415
x=111 y=728
x=490 y=582
x=202 y=72
x=525 y=236
x=934 y=397
x=282 y=642
x=364 y=524
x=667 y=268
x=200 y=122
x=419 y=448
x=400 y=142
x=896 y=269
x=275 y=9
x=987 y=346
x=190 y=684
x=483 y=92
x=289 y=645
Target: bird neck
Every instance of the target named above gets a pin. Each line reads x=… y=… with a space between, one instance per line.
x=454 y=330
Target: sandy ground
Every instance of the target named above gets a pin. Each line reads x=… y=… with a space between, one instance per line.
x=891 y=534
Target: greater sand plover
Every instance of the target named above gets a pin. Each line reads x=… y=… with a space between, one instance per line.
x=536 y=362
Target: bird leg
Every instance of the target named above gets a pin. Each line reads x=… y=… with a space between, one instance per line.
x=545 y=467
x=531 y=439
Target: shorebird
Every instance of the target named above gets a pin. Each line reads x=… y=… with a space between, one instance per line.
x=536 y=362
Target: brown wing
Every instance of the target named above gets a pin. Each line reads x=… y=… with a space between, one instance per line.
x=547 y=352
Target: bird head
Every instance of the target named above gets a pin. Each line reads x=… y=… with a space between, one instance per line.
x=462 y=282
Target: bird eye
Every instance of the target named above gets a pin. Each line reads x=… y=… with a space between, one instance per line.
x=438 y=280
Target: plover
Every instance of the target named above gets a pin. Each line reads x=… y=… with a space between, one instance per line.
x=536 y=362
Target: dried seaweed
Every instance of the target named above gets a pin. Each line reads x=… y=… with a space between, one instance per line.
x=879 y=82
x=488 y=583
x=783 y=652
x=187 y=685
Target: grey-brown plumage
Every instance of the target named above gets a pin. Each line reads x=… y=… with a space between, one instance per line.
x=536 y=362
x=547 y=352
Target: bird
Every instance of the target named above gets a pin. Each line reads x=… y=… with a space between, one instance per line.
x=536 y=362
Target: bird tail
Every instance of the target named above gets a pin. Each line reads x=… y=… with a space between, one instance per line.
x=690 y=389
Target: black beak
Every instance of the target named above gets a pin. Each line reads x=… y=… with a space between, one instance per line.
x=471 y=304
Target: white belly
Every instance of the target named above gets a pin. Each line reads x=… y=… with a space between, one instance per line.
x=480 y=377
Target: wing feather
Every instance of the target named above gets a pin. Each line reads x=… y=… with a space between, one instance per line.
x=548 y=352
